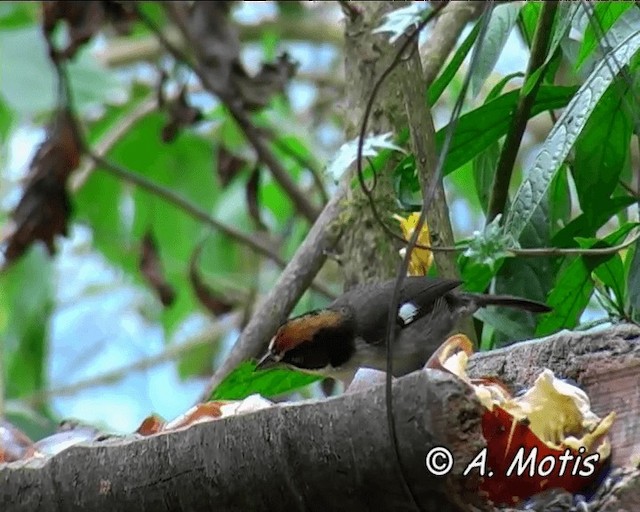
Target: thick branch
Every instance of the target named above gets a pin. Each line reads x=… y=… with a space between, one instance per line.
x=327 y=455
x=423 y=140
x=334 y=454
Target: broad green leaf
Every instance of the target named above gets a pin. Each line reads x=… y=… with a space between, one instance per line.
x=120 y=214
x=484 y=170
x=559 y=201
x=612 y=275
x=244 y=381
x=25 y=305
x=564 y=134
x=407 y=185
x=503 y=18
x=18 y=14
x=606 y=14
x=574 y=285
x=6 y=121
x=529 y=15
x=477 y=276
x=587 y=224
x=597 y=164
x=91 y=84
x=527 y=277
x=440 y=84
x=561 y=24
x=478 y=129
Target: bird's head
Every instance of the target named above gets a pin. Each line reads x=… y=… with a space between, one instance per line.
x=314 y=342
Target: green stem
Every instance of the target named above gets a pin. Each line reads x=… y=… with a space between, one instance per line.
x=512 y=142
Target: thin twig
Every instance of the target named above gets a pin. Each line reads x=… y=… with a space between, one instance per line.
x=598 y=251
x=119 y=130
x=170 y=353
x=504 y=169
x=194 y=211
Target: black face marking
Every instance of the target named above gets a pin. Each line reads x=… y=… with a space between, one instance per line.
x=329 y=346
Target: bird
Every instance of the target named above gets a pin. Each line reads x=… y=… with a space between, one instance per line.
x=350 y=333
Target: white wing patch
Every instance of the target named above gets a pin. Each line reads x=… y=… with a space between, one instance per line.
x=407 y=313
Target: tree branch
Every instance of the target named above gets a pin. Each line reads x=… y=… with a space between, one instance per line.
x=286 y=292
x=290 y=460
x=169 y=353
x=504 y=169
x=280 y=458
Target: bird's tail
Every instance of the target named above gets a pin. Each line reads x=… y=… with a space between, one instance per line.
x=508 y=301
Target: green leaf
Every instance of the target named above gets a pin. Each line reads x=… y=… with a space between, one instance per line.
x=634 y=279
x=478 y=129
x=529 y=15
x=597 y=165
x=503 y=18
x=119 y=214
x=586 y=224
x=244 y=381
x=484 y=165
x=440 y=84
x=91 y=84
x=564 y=134
x=18 y=14
x=559 y=200
x=25 y=305
x=532 y=278
x=561 y=25
x=407 y=185
x=605 y=14
x=574 y=286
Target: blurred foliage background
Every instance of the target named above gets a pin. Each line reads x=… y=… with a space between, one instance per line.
x=170 y=244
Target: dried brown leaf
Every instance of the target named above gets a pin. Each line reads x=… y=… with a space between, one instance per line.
x=251 y=190
x=181 y=114
x=44 y=208
x=14 y=444
x=209 y=298
x=151 y=268
x=229 y=165
x=84 y=20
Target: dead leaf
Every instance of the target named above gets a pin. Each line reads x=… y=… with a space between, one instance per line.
x=271 y=80
x=219 y=45
x=229 y=165
x=84 y=20
x=251 y=190
x=181 y=114
x=44 y=208
x=209 y=298
x=151 y=425
x=151 y=268
x=14 y=444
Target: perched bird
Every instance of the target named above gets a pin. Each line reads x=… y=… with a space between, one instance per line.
x=350 y=332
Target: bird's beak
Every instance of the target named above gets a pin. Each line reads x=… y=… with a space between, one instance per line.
x=267 y=361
